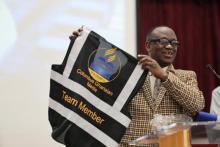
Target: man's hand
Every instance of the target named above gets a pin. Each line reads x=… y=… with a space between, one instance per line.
x=152 y=65
x=76 y=33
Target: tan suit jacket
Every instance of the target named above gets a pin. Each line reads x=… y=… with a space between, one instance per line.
x=179 y=94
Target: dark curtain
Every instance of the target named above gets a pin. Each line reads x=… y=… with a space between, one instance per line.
x=197 y=25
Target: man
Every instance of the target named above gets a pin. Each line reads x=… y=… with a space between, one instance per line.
x=178 y=91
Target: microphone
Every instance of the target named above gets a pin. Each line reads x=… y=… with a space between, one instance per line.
x=209 y=66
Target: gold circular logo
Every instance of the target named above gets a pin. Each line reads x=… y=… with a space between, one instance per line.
x=104 y=65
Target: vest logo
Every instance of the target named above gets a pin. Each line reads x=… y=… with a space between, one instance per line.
x=104 y=65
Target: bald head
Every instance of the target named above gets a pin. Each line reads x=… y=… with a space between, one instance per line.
x=159 y=31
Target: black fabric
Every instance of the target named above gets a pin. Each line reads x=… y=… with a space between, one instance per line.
x=116 y=86
x=80 y=139
x=95 y=55
x=60 y=68
x=107 y=125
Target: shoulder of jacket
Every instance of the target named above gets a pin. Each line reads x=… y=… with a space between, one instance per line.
x=184 y=72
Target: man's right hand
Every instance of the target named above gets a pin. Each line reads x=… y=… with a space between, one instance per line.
x=152 y=65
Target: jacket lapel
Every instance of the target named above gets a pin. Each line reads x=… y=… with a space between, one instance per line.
x=160 y=96
x=147 y=93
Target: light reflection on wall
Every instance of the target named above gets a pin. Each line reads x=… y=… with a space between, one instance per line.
x=44 y=26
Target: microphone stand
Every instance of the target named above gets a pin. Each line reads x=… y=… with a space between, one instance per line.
x=209 y=66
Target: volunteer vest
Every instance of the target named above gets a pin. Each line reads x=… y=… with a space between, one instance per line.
x=90 y=92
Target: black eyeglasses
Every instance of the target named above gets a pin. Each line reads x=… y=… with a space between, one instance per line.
x=165 y=42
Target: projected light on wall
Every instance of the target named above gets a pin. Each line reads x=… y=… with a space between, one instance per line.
x=43 y=26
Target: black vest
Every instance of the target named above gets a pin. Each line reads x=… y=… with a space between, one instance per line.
x=90 y=91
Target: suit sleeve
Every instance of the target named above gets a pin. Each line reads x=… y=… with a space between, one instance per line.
x=185 y=91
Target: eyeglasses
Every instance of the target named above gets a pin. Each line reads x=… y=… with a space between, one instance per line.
x=165 y=42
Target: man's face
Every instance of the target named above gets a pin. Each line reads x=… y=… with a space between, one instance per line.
x=163 y=46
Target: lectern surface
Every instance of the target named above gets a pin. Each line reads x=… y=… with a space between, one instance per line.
x=185 y=134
